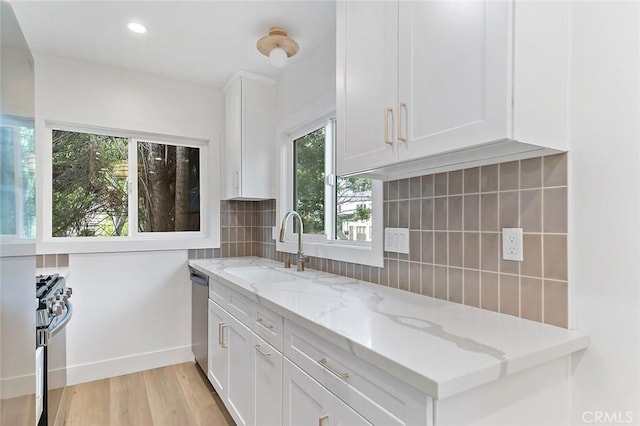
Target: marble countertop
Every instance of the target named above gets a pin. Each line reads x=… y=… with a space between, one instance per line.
x=439 y=347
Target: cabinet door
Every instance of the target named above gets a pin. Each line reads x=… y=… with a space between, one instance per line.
x=267 y=370
x=366 y=84
x=343 y=415
x=218 y=355
x=258 y=140
x=237 y=339
x=305 y=401
x=233 y=140
x=453 y=75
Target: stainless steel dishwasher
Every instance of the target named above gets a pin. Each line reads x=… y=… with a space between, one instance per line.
x=199 y=314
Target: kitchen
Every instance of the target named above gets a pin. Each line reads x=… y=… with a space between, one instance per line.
x=146 y=323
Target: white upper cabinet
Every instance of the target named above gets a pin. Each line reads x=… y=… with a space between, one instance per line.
x=453 y=89
x=423 y=85
x=366 y=83
x=249 y=145
x=541 y=79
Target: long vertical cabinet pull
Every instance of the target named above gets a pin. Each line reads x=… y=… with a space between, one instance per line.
x=402 y=106
x=221 y=328
x=388 y=112
x=321 y=419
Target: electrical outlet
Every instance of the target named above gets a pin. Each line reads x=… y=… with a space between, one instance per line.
x=396 y=240
x=512 y=244
x=390 y=240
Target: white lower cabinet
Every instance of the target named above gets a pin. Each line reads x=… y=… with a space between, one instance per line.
x=229 y=363
x=266 y=365
x=218 y=355
x=307 y=402
x=237 y=341
x=312 y=383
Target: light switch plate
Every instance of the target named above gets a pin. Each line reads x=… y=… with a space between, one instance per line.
x=512 y=244
x=396 y=240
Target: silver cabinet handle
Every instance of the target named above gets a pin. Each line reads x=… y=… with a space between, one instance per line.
x=321 y=419
x=261 y=352
x=402 y=106
x=323 y=362
x=388 y=112
x=236 y=180
x=221 y=328
x=264 y=324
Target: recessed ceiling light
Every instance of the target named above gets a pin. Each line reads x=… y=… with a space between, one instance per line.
x=137 y=27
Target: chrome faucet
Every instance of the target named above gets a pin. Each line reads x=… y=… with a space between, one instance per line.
x=301 y=257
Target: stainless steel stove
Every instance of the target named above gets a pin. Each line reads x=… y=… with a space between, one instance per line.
x=52 y=316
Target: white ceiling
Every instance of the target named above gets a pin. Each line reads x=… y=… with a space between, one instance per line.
x=198 y=41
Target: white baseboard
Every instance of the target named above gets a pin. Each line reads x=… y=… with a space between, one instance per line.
x=13 y=387
x=126 y=365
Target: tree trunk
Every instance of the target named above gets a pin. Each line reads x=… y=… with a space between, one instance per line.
x=182 y=189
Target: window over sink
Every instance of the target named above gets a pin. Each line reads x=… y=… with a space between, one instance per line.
x=342 y=216
x=329 y=205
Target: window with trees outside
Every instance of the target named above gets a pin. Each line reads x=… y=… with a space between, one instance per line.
x=113 y=186
x=340 y=208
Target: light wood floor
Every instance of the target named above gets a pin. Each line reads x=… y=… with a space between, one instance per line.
x=178 y=395
x=18 y=411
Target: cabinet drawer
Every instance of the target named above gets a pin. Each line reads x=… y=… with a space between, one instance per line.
x=218 y=292
x=240 y=307
x=269 y=326
x=379 y=397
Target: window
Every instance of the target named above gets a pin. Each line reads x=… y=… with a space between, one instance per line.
x=339 y=208
x=17 y=178
x=309 y=180
x=120 y=186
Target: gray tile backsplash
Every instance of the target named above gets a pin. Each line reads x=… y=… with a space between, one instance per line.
x=455 y=220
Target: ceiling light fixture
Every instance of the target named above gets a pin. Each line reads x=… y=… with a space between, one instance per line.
x=278 y=46
x=137 y=27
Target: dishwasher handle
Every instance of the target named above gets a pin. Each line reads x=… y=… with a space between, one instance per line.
x=198 y=278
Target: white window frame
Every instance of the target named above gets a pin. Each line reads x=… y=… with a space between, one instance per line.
x=363 y=252
x=135 y=241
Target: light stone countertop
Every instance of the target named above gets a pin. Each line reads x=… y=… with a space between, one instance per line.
x=439 y=347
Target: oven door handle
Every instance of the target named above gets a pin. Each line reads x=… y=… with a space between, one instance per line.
x=63 y=322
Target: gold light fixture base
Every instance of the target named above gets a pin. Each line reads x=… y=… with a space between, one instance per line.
x=277 y=38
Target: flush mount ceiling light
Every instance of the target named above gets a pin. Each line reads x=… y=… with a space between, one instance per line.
x=277 y=46
x=137 y=27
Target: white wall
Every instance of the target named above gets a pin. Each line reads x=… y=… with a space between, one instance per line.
x=86 y=94
x=132 y=312
x=17 y=83
x=17 y=326
x=605 y=211
x=307 y=86
x=132 y=309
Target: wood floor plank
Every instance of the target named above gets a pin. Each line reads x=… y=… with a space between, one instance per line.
x=18 y=411
x=86 y=404
x=201 y=398
x=129 y=401
x=168 y=404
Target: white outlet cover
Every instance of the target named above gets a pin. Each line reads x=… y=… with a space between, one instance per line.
x=512 y=244
x=396 y=240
